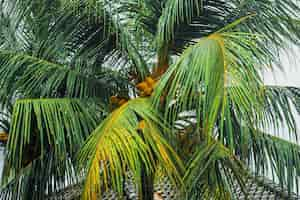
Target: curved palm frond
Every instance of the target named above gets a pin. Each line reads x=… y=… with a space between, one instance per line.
x=280 y=104
x=201 y=76
x=269 y=155
x=42 y=125
x=101 y=48
x=212 y=172
x=66 y=53
x=263 y=153
x=43 y=177
x=34 y=77
x=126 y=140
x=183 y=24
x=131 y=49
x=279 y=107
x=274 y=19
x=269 y=19
x=117 y=23
x=277 y=112
x=180 y=80
x=174 y=13
x=87 y=44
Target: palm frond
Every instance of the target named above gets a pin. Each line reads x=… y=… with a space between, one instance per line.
x=86 y=44
x=186 y=81
x=274 y=19
x=280 y=105
x=276 y=111
x=34 y=77
x=243 y=132
x=212 y=172
x=266 y=154
x=201 y=76
x=174 y=13
x=118 y=23
x=269 y=155
x=43 y=177
x=33 y=132
x=130 y=46
x=126 y=140
x=71 y=47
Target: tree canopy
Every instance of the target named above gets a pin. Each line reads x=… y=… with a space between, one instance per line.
x=94 y=90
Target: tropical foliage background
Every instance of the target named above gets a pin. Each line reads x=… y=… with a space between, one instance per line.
x=93 y=90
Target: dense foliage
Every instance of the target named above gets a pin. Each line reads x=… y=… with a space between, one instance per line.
x=99 y=89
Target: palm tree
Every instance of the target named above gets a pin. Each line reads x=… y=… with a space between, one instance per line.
x=102 y=90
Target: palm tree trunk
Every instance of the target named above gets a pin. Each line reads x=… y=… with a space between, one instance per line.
x=147 y=192
x=147 y=180
x=162 y=62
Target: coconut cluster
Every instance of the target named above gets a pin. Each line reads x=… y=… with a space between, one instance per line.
x=146 y=87
x=117 y=101
x=3 y=137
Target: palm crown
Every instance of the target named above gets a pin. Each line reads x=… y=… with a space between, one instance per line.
x=152 y=88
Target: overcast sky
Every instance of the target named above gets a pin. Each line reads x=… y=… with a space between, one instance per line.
x=290 y=76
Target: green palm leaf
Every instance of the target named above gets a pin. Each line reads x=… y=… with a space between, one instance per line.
x=201 y=76
x=274 y=19
x=277 y=110
x=191 y=69
x=174 y=13
x=215 y=105
x=43 y=177
x=128 y=44
x=268 y=155
x=263 y=153
x=212 y=172
x=280 y=103
x=33 y=132
x=118 y=145
x=36 y=77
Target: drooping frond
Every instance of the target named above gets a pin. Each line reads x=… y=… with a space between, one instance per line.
x=129 y=139
x=129 y=45
x=276 y=111
x=34 y=77
x=42 y=125
x=43 y=177
x=66 y=53
x=212 y=172
x=201 y=76
x=86 y=43
x=118 y=24
x=243 y=133
x=184 y=77
x=174 y=13
x=280 y=103
x=276 y=20
x=269 y=155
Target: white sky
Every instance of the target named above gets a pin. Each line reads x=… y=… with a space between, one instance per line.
x=290 y=76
